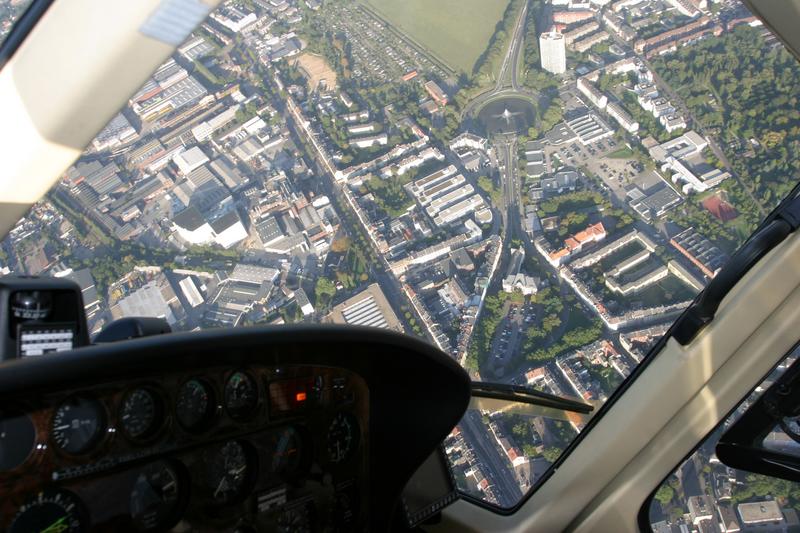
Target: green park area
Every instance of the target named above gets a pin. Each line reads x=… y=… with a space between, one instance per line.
x=457 y=31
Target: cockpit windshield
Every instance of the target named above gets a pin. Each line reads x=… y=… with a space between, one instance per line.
x=537 y=187
x=10 y=12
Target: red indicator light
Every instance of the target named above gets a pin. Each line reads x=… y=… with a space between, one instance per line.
x=300 y=397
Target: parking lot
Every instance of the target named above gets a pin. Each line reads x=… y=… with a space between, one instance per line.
x=509 y=335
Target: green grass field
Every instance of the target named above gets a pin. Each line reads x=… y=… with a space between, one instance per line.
x=457 y=31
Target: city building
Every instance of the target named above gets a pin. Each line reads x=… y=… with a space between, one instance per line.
x=474 y=203
x=591 y=92
x=238 y=292
x=191 y=159
x=195 y=48
x=84 y=279
x=670 y=39
x=619 y=5
x=560 y=182
x=195 y=227
x=672 y=122
x=361 y=129
x=686 y=8
x=515 y=279
x=116 y=133
x=552 y=48
x=572 y=16
x=380 y=139
x=470 y=141
x=301 y=298
x=582 y=45
x=535 y=160
x=574 y=245
x=191 y=292
x=699 y=250
x=156 y=298
x=589 y=128
x=184 y=93
x=580 y=31
x=367 y=308
x=436 y=92
x=232 y=18
x=622 y=117
x=618 y=26
x=763 y=516
x=653 y=202
x=683 y=156
x=203 y=131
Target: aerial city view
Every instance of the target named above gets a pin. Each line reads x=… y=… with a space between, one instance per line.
x=537 y=187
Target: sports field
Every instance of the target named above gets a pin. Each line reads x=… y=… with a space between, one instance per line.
x=317 y=70
x=457 y=31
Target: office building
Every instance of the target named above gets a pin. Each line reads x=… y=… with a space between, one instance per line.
x=552 y=47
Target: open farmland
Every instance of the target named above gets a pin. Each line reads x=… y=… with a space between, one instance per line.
x=457 y=31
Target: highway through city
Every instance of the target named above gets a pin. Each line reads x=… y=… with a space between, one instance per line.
x=496 y=467
x=380 y=272
x=511 y=60
x=502 y=87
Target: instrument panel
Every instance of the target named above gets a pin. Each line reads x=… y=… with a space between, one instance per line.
x=250 y=448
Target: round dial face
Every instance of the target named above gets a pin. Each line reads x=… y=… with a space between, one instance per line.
x=51 y=510
x=229 y=469
x=342 y=437
x=17 y=437
x=156 y=497
x=241 y=396
x=78 y=424
x=140 y=414
x=195 y=404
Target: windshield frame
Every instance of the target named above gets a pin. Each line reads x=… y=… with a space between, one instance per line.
x=21 y=28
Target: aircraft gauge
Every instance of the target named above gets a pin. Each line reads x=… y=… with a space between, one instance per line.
x=51 y=510
x=78 y=424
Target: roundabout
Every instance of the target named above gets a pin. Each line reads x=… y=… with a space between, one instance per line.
x=508 y=115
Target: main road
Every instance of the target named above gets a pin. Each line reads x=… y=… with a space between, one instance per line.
x=380 y=271
x=502 y=86
x=500 y=470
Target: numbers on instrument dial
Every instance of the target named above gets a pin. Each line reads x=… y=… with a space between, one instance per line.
x=241 y=396
x=78 y=424
x=342 y=438
x=51 y=510
x=141 y=414
x=231 y=467
x=195 y=406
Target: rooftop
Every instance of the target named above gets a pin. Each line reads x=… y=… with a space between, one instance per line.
x=760 y=512
x=367 y=308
